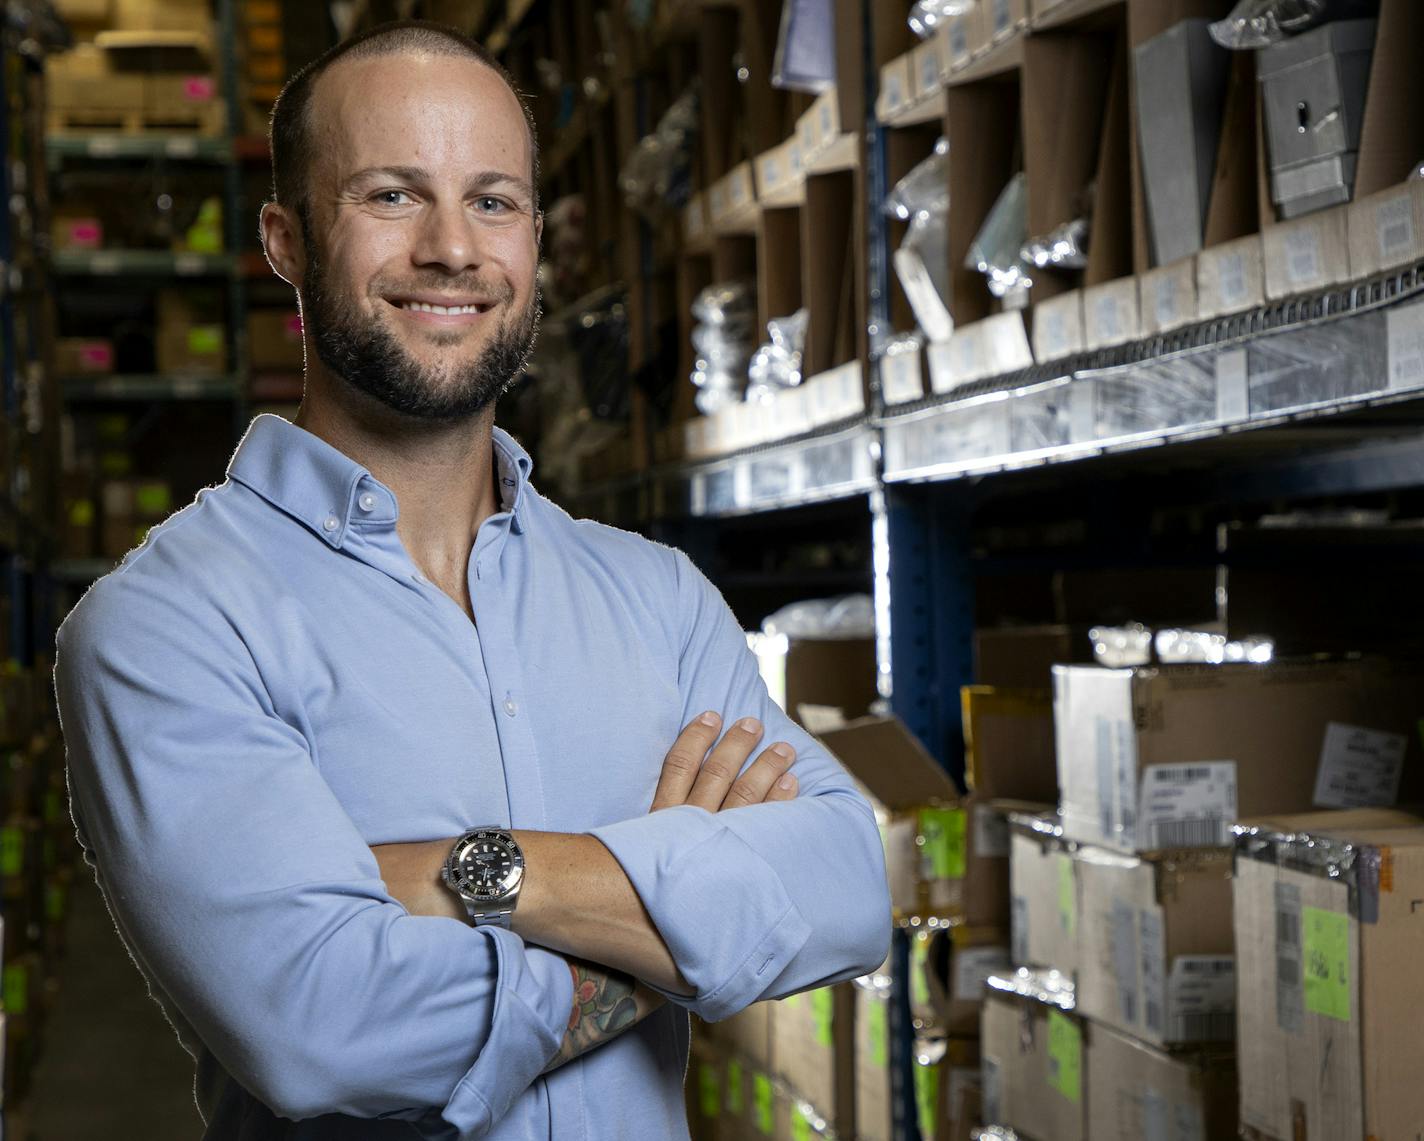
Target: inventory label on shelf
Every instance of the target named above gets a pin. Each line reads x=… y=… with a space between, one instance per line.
x=991 y=834
x=1231 y=281
x=1303 y=261
x=180 y=147
x=105 y=263
x=1201 y=999
x=1065 y=1056
x=1325 y=939
x=1290 y=997
x=900 y=377
x=1359 y=768
x=102 y=146
x=1394 y=227
x=972 y=968
x=1188 y=806
x=1233 y=393
x=1404 y=325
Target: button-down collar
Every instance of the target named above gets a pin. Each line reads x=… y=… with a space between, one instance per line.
x=329 y=492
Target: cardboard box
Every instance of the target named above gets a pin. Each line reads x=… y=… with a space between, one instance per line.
x=1155 y=951
x=780 y=178
x=1034 y=1061
x=1307 y=254
x=753 y=1103
x=1166 y=757
x=897 y=86
x=950 y=966
x=1386 y=230
x=1231 y=277
x=814 y=1046
x=961 y=36
x=1111 y=315
x=83 y=356
x=162 y=16
x=1023 y=657
x=873 y=1093
x=1043 y=881
x=1167 y=297
x=1137 y=1092
x=85 y=79
x=946 y=1078
x=732 y=200
x=1058 y=327
x=1008 y=743
x=928 y=65
x=835 y=672
x=274 y=339
x=1328 y=930
x=747 y=1034
x=1003 y=18
x=191 y=338
x=992 y=347
x=76 y=231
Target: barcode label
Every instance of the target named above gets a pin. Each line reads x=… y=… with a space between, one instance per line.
x=1303 y=261
x=1290 y=991
x=1193 y=1026
x=1109 y=325
x=958 y=47
x=1122 y=936
x=1201 y=998
x=1188 y=806
x=892 y=91
x=929 y=72
x=1166 y=306
x=1359 y=768
x=1394 y=226
x=1232 y=280
x=1154 y=968
x=1018 y=930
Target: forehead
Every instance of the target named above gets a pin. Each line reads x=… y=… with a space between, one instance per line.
x=449 y=114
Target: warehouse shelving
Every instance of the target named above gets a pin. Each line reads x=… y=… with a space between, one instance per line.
x=188 y=148
x=142 y=263
x=145 y=388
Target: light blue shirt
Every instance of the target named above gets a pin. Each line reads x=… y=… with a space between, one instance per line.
x=268 y=686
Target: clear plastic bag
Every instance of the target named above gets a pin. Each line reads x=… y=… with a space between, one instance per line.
x=926 y=185
x=1064 y=248
x=777 y=364
x=656 y=177
x=723 y=339
x=1260 y=23
x=922 y=261
x=849 y=616
x=996 y=248
x=928 y=16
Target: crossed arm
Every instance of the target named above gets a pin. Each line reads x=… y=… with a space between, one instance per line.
x=577 y=899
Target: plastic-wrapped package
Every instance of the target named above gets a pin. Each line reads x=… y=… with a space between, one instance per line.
x=849 y=616
x=922 y=261
x=1318 y=364
x=723 y=340
x=655 y=178
x=1064 y=248
x=1120 y=647
x=1260 y=23
x=928 y=16
x=996 y=248
x=1176 y=646
x=777 y=364
x=1156 y=396
x=805 y=57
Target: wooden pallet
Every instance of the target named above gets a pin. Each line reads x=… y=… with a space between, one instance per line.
x=207 y=120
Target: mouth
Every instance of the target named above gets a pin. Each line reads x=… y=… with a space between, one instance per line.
x=444 y=310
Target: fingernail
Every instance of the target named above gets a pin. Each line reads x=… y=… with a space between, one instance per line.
x=750 y=724
x=708 y=718
x=783 y=750
x=787 y=782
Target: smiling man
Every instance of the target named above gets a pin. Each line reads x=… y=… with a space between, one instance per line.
x=425 y=809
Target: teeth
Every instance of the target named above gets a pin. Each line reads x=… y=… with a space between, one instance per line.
x=442 y=310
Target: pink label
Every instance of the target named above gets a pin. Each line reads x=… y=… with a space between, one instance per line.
x=294 y=326
x=88 y=234
x=99 y=356
x=199 y=88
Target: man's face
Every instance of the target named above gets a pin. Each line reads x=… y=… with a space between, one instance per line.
x=419 y=232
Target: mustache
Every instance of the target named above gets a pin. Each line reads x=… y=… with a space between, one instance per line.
x=499 y=291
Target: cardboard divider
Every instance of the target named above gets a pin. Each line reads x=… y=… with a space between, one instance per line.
x=1110 y=245
x=778 y=265
x=982 y=119
x=1234 y=208
x=765 y=108
x=733 y=257
x=903 y=149
x=828 y=271
x=1392 y=135
x=718 y=40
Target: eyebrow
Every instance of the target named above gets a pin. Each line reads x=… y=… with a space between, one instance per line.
x=482 y=181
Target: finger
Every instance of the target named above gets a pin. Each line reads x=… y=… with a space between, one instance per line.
x=723 y=764
x=783 y=789
x=760 y=777
x=684 y=760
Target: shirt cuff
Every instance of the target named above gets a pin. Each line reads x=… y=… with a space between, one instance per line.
x=533 y=999
x=722 y=910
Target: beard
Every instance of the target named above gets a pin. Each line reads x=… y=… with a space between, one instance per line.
x=370 y=358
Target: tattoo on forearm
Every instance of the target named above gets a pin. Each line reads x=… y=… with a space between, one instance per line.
x=606 y=1003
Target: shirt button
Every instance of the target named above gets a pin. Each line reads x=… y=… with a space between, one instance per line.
x=367 y=502
x=510 y=706
x=330 y=523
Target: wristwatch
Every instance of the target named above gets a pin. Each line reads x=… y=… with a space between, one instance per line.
x=485 y=869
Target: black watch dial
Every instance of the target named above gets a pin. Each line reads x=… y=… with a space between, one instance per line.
x=487 y=867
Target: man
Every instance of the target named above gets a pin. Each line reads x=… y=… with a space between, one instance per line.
x=363 y=743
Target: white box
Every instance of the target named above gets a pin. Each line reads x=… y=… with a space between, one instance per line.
x=1110 y=314
x=1058 y=327
x=1307 y=254
x=1231 y=278
x=1167 y=297
x=1386 y=230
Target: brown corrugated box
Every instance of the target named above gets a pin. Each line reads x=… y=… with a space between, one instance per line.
x=1033 y=1067
x=1136 y=1092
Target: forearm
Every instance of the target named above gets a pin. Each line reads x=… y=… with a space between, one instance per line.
x=606 y=1003
x=576 y=899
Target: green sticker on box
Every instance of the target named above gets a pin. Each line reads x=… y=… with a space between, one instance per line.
x=919 y=969
x=942 y=832
x=1067 y=895
x=711 y=1095
x=800 y=1125
x=875 y=1029
x=153 y=498
x=762 y=1104
x=735 y=1086
x=823 y=1011
x=16 y=987
x=12 y=851
x=1065 y=1056
x=81 y=513
x=1325 y=939
x=927 y=1099
x=206 y=340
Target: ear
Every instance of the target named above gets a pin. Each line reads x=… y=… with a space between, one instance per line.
x=539 y=228
x=282 y=243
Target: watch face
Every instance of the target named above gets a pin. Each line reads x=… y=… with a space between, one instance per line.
x=487 y=868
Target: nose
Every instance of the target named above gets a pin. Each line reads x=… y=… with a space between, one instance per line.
x=448 y=237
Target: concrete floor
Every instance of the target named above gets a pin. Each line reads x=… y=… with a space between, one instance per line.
x=111 y=1066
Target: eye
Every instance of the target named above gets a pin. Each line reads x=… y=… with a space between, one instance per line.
x=391 y=198
x=491 y=204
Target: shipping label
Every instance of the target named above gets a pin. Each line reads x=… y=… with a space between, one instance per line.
x=1325 y=941
x=991 y=834
x=1116 y=756
x=1359 y=768
x=1018 y=929
x=1188 y=806
x=1201 y=999
x=972 y=968
x=1153 y=950
x=1290 y=996
x=1122 y=936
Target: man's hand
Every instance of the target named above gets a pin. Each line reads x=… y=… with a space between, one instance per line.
x=701 y=770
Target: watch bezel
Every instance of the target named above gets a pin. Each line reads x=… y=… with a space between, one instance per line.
x=506 y=888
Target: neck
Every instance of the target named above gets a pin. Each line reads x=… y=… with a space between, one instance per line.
x=443 y=475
